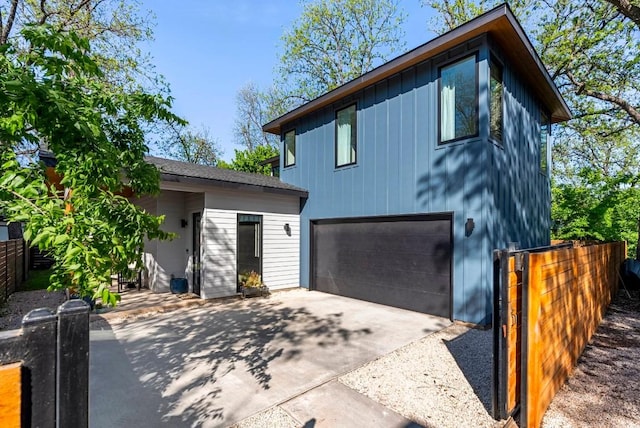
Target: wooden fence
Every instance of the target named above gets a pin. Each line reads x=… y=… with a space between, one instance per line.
x=550 y=302
x=12 y=267
x=44 y=369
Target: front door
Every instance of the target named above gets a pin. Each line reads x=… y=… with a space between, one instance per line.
x=196 y=265
x=249 y=245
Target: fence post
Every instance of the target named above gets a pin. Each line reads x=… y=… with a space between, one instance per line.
x=73 y=365
x=39 y=331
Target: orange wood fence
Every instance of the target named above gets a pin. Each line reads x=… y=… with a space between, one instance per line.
x=550 y=304
x=567 y=296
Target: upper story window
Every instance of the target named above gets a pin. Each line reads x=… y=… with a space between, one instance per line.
x=346 y=136
x=496 y=113
x=459 y=100
x=545 y=131
x=290 y=148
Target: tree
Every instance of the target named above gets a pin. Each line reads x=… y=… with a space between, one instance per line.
x=335 y=41
x=115 y=29
x=54 y=93
x=249 y=160
x=592 y=53
x=194 y=146
x=254 y=109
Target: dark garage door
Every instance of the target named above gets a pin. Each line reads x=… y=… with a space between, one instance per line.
x=398 y=261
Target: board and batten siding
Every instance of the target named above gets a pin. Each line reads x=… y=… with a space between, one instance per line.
x=520 y=193
x=401 y=169
x=280 y=252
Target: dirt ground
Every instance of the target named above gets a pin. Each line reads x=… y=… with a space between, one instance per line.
x=20 y=303
x=604 y=390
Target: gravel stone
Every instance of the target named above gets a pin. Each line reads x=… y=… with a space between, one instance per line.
x=442 y=380
x=21 y=303
x=274 y=417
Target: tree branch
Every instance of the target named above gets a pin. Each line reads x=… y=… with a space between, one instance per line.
x=581 y=88
x=629 y=10
x=4 y=36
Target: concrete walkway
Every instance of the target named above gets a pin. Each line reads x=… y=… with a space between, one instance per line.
x=216 y=364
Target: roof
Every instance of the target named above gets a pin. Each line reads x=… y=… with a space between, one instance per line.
x=504 y=29
x=185 y=172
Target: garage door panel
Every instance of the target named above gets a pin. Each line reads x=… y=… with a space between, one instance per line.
x=402 y=262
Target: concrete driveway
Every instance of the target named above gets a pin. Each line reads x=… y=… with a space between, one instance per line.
x=217 y=364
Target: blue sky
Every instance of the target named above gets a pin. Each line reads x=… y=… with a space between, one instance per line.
x=208 y=49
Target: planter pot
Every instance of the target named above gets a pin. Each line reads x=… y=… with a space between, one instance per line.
x=253 y=291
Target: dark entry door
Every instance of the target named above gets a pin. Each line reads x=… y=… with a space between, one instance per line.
x=397 y=261
x=196 y=262
x=249 y=245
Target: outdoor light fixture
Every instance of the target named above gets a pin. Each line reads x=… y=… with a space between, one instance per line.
x=287 y=229
x=183 y=223
x=468 y=227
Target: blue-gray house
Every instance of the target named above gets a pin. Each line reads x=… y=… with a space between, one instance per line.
x=419 y=169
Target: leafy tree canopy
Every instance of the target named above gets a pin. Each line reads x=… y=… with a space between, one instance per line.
x=53 y=93
x=335 y=41
x=249 y=160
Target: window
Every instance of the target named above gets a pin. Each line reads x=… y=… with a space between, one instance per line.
x=545 y=130
x=290 y=148
x=346 y=137
x=495 y=118
x=459 y=100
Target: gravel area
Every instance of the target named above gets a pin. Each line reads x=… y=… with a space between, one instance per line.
x=274 y=417
x=21 y=302
x=442 y=380
x=604 y=390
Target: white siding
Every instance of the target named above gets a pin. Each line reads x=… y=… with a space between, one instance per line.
x=219 y=253
x=280 y=252
x=220 y=208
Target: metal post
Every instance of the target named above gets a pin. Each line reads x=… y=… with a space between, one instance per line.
x=39 y=332
x=73 y=365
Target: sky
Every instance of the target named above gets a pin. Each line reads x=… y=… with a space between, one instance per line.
x=208 y=49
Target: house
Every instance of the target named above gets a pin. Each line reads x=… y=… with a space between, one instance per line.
x=420 y=168
x=226 y=223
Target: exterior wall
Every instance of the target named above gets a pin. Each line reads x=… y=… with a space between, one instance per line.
x=150 y=205
x=220 y=208
x=280 y=252
x=520 y=194
x=401 y=169
x=171 y=256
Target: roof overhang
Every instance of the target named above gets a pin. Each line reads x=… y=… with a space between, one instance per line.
x=504 y=29
x=198 y=181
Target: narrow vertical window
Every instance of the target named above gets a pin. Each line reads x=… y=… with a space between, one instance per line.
x=545 y=129
x=495 y=118
x=290 y=148
x=459 y=100
x=346 y=137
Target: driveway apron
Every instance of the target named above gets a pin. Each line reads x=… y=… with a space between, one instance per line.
x=217 y=364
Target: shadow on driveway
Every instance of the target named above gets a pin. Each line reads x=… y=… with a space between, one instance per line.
x=217 y=364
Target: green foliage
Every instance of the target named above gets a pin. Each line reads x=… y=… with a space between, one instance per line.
x=38 y=280
x=335 y=41
x=52 y=94
x=603 y=210
x=249 y=160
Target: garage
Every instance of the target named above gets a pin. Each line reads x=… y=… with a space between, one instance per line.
x=400 y=261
